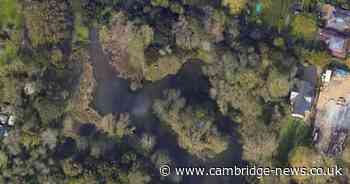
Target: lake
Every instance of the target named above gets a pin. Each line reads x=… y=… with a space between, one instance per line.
x=113 y=95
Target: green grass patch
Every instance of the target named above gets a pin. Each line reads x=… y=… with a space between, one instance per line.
x=9 y=13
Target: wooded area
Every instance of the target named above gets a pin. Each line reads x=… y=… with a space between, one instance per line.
x=248 y=51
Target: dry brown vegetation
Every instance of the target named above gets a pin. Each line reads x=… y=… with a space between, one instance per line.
x=84 y=96
x=125 y=44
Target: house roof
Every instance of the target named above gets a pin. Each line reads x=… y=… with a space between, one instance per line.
x=337 y=30
x=337 y=42
x=302 y=97
x=306 y=88
x=336 y=18
x=309 y=74
x=301 y=105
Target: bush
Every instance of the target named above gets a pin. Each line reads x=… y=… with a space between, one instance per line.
x=47 y=22
x=167 y=65
x=294 y=133
x=194 y=126
x=161 y=3
x=8 y=53
x=235 y=6
x=3 y=160
x=81 y=32
x=318 y=58
x=48 y=110
x=275 y=12
x=304 y=26
x=9 y=14
x=278 y=84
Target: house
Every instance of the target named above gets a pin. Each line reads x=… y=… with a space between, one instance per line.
x=301 y=99
x=3 y=119
x=303 y=94
x=337 y=43
x=335 y=18
x=336 y=32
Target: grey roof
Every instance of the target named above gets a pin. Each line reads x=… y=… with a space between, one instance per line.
x=305 y=88
x=309 y=74
x=340 y=20
x=301 y=105
x=337 y=44
x=304 y=99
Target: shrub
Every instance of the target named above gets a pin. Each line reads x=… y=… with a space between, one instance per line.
x=235 y=6
x=304 y=26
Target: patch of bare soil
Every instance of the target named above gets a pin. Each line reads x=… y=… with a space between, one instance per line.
x=338 y=87
x=330 y=94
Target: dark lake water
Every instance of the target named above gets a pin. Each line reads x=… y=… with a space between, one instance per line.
x=113 y=95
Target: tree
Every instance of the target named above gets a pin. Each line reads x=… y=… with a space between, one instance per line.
x=50 y=138
x=194 y=126
x=47 y=110
x=160 y=158
x=30 y=140
x=3 y=160
x=232 y=32
x=138 y=177
x=189 y=34
x=259 y=148
x=293 y=133
x=306 y=157
x=301 y=157
x=10 y=14
x=10 y=90
x=70 y=168
x=164 y=66
x=244 y=85
x=318 y=58
x=148 y=142
x=118 y=126
x=161 y=3
x=125 y=42
x=276 y=13
x=235 y=6
x=47 y=22
x=278 y=84
x=214 y=23
x=304 y=26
